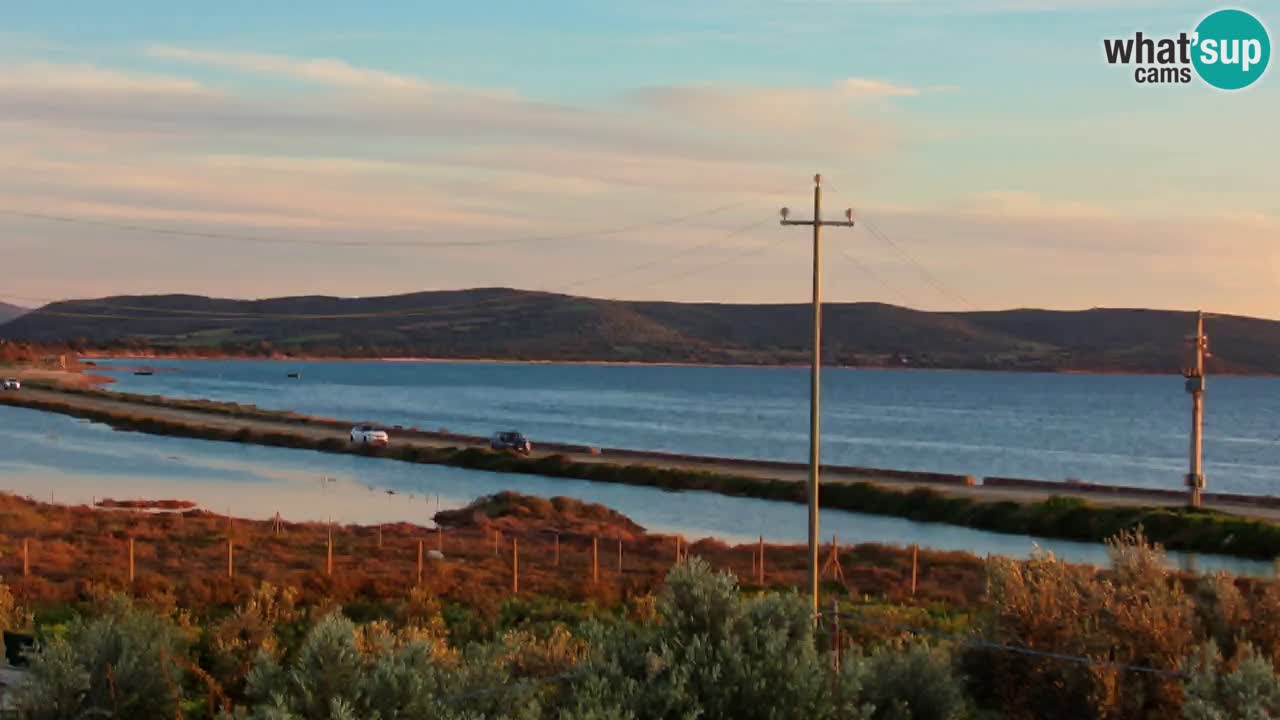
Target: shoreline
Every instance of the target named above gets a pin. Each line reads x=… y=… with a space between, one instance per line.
x=1240 y=526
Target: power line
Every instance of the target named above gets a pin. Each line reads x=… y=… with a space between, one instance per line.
x=668 y=258
x=758 y=250
x=931 y=279
x=156 y=313
x=266 y=239
x=874 y=277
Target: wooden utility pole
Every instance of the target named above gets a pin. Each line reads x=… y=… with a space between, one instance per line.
x=1195 y=387
x=815 y=377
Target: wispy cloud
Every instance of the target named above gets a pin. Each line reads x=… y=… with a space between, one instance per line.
x=87 y=78
x=324 y=71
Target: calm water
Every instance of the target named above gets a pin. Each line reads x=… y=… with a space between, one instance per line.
x=69 y=460
x=1128 y=430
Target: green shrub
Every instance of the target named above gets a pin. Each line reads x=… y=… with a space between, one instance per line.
x=1248 y=691
x=127 y=663
x=914 y=682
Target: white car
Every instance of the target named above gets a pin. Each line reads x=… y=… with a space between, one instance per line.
x=12 y=384
x=369 y=435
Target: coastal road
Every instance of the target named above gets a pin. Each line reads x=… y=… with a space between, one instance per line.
x=200 y=414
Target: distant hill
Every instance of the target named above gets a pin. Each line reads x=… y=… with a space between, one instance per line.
x=9 y=312
x=515 y=324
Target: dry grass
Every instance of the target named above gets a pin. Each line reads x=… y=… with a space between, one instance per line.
x=76 y=550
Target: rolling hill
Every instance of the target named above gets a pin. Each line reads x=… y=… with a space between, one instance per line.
x=515 y=324
x=9 y=312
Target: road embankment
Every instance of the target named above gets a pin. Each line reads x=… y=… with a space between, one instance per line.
x=1233 y=525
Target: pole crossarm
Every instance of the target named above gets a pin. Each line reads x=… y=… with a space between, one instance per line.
x=823 y=223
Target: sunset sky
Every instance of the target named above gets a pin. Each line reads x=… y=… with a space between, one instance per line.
x=633 y=149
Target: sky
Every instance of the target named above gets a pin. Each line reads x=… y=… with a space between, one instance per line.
x=635 y=149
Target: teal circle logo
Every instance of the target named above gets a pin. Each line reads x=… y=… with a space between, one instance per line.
x=1232 y=49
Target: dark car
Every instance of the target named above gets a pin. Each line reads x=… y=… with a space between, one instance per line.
x=511 y=440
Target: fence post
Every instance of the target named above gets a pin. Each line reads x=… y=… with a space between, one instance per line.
x=915 y=560
x=130 y=560
x=26 y=557
x=419 y=561
x=231 y=568
x=835 y=633
x=379 y=536
x=328 y=561
x=595 y=559
x=619 y=556
x=515 y=566
x=557 y=549
x=496 y=536
x=760 y=569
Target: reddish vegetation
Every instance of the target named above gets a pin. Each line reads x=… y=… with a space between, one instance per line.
x=517 y=514
x=185 y=553
x=146 y=504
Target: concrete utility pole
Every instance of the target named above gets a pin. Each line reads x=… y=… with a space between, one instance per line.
x=1195 y=387
x=815 y=380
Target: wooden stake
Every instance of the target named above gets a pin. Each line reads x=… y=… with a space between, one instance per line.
x=231 y=567
x=595 y=559
x=379 y=537
x=496 y=535
x=760 y=567
x=419 y=562
x=833 y=561
x=619 y=556
x=515 y=566
x=557 y=549
x=26 y=557
x=440 y=539
x=915 y=560
x=130 y=561
x=328 y=562
x=835 y=633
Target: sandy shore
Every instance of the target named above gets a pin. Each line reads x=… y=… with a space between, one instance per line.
x=70 y=378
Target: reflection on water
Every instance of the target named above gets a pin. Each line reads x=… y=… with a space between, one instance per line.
x=46 y=455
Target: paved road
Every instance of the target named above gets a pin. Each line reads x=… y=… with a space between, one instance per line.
x=316 y=428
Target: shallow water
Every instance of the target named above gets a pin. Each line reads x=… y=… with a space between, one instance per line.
x=1118 y=429
x=50 y=456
